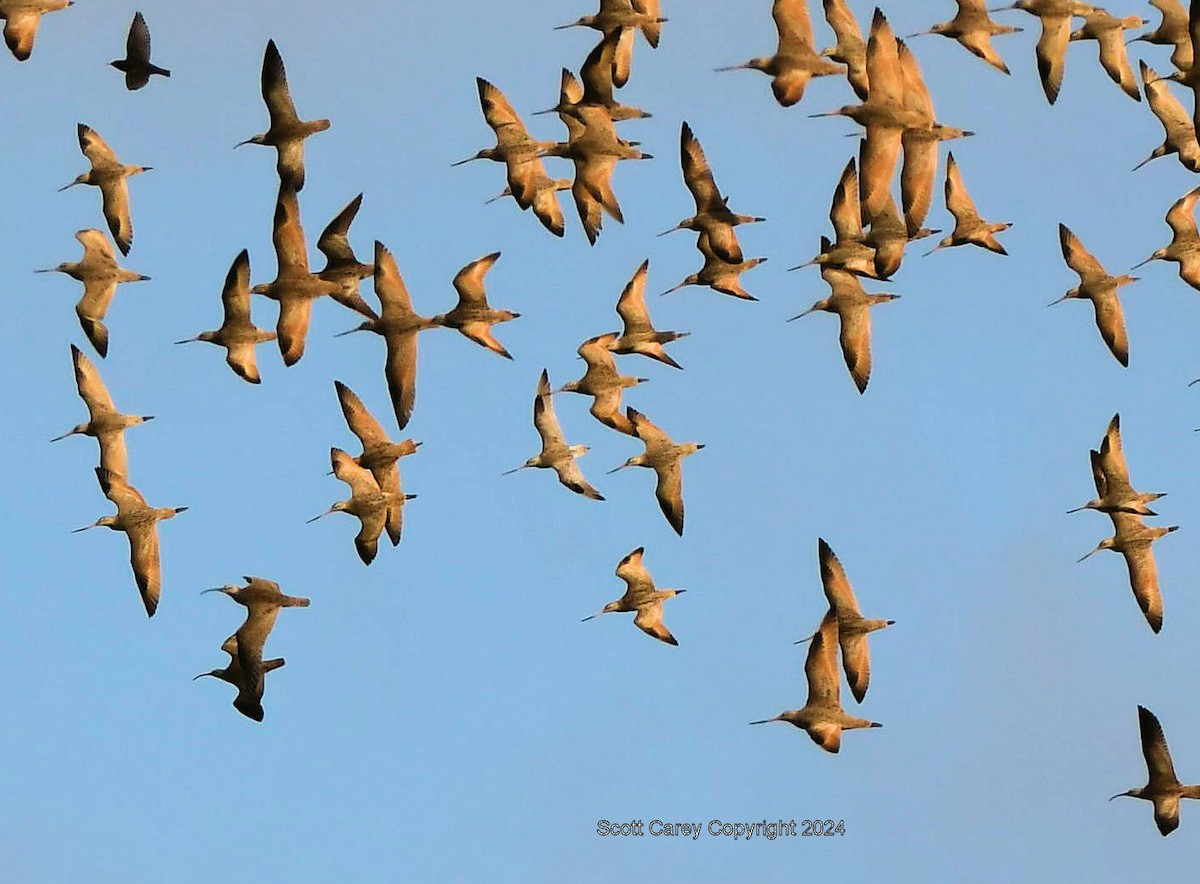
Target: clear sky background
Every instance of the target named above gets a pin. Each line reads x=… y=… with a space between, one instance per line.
x=443 y=714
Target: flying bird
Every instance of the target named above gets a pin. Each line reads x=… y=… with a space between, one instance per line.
x=374 y=508
x=848 y=251
x=1184 y=248
x=473 y=316
x=1163 y=788
x=109 y=174
x=1110 y=472
x=639 y=334
x=556 y=454
x=973 y=28
x=1180 y=131
x=641 y=596
x=136 y=64
x=718 y=275
x=245 y=702
x=1109 y=32
x=621 y=19
x=21 y=20
x=970 y=228
x=1097 y=286
x=341 y=264
x=1051 y=51
x=603 y=383
x=665 y=457
x=1171 y=31
x=851 y=48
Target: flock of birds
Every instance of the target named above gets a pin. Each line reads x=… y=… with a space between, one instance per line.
x=871 y=232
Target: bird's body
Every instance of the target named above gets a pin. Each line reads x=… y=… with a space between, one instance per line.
x=1055 y=17
x=287 y=132
x=245 y=702
x=100 y=275
x=639 y=334
x=822 y=715
x=603 y=383
x=851 y=48
x=853 y=307
x=1172 y=31
x=1132 y=538
x=108 y=174
x=665 y=457
x=136 y=64
x=1109 y=32
x=643 y=597
x=139 y=522
x=556 y=454
x=1163 y=788
x=1178 y=126
x=375 y=508
x=717 y=274
x=473 y=316
x=970 y=228
x=1184 y=248
x=973 y=28
x=237 y=334
x=1110 y=474
x=848 y=251
x=1097 y=286
x=889 y=236
x=21 y=20
x=341 y=264
x=620 y=20
x=105 y=424
x=796 y=60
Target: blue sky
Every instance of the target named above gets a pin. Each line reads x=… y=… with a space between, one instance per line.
x=443 y=714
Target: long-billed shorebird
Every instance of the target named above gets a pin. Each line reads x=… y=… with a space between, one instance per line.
x=796 y=60
x=847 y=251
x=851 y=48
x=237 y=334
x=556 y=454
x=665 y=457
x=853 y=306
x=100 y=275
x=140 y=524
x=544 y=202
x=1097 y=286
x=374 y=508
x=105 y=424
x=713 y=215
x=263 y=600
x=1132 y=539
x=1172 y=31
x=287 y=131
x=595 y=84
x=642 y=596
x=472 y=315
x=136 y=64
x=970 y=228
x=889 y=236
x=853 y=628
x=639 y=334
x=108 y=174
x=398 y=324
x=1184 y=248
x=822 y=716
x=341 y=264
x=245 y=702
x=295 y=287
x=973 y=28
x=21 y=20
x=1055 y=17
x=623 y=18
x=379 y=454
x=603 y=383
x=1179 y=130
x=1110 y=472
x=1162 y=788
x=1109 y=32
x=717 y=274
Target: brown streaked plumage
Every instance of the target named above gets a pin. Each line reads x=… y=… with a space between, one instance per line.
x=848 y=251
x=718 y=275
x=597 y=82
x=1097 y=286
x=140 y=524
x=108 y=174
x=237 y=334
x=1171 y=31
x=970 y=228
x=245 y=702
x=1180 y=131
x=398 y=324
x=973 y=28
x=1162 y=788
x=639 y=334
x=374 y=508
x=620 y=19
x=21 y=20
x=263 y=600
x=665 y=457
x=853 y=628
x=341 y=264
x=1055 y=17
x=287 y=131
x=603 y=383
x=713 y=216
x=544 y=203
x=641 y=596
x=379 y=454
x=822 y=716
x=136 y=64
x=105 y=424
x=889 y=236
x=472 y=315
x=796 y=60
x=556 y=454
x=1110 y=473
x=1132 y=539
x=851 y=48
x=100 y=275
x=295 y=286
x=1184 y=248
x=853 y=307
x=1109 y=32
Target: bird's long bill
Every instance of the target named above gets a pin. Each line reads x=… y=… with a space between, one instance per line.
x=323 y=515
x=732 y=67
x=802 y=315
x=240 y=143
x=65 y=186
x=1120 y=795
x=214 y=589
x=673 y=289
x=201 y=675
x=63 y=436
x=672 y=230
x=1058 y=300
x=461 y=162
x=767 y=720
x=1142 y=263
x=85 y=527
x=515 y=470
x=548 y=110
x=806 y=639
x=47 y=270
x=816 y=260
x=616 y=469
x=1088 y=556
x=188 y=340
x=592 y=616
x=1003 y=8
x=349 y=331
x=1193 y=383
x=938 y=248
x=1079 y=509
